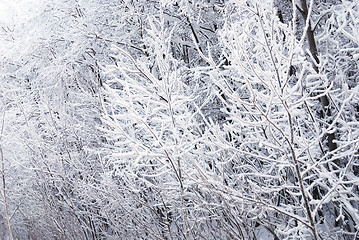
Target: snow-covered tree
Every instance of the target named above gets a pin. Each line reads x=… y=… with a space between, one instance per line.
x=179 y=119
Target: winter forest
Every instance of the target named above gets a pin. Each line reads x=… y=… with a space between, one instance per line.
x=180 y=119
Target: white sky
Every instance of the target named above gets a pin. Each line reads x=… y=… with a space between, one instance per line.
x=8 y=9
x=13 y=11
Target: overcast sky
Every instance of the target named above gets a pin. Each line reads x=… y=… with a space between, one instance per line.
x=8 y=10
x=11 y=11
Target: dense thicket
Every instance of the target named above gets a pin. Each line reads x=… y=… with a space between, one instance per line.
x=179 y=119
